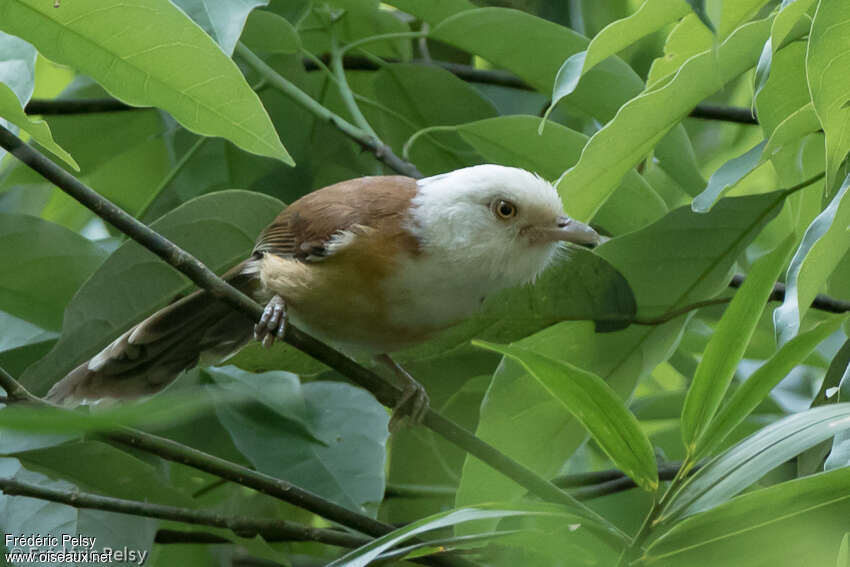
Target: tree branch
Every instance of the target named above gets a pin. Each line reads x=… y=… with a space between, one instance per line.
x=821 y=302
x=386 y=393
x=278 y=530
x=468 y=73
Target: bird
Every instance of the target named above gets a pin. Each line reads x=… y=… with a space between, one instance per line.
x=370 y=265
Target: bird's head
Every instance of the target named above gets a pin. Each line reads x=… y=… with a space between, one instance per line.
x=504 y=222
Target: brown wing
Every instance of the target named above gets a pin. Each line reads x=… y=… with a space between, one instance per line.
x=304 y=228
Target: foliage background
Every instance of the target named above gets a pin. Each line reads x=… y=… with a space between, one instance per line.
x=591 y=383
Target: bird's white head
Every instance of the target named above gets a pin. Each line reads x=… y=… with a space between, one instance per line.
x=503 y=224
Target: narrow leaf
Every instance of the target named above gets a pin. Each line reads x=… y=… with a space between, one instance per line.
x=727 y=176
x=364 y=555
x=698 y=6
x=800 y=522
x=749 y=460
x=728 y=343
x=761 y=382
x=829 y=50
x=790 y=12
x=824 y=244
x=616 y=36
x=597 y=407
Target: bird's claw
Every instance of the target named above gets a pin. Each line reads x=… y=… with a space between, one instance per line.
x=413 y=403
x=272 y=324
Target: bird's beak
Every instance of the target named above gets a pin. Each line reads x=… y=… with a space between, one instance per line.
x=569 y=230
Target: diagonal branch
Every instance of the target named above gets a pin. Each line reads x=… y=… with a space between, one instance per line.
x=242 y=526
x=386 y=393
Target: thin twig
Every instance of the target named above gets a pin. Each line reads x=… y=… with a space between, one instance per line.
x=468 y=73
x=382 y=151
x=279 y=530
x=820 y=302
x=388 y=394
x=685 y=309
x=736 y=114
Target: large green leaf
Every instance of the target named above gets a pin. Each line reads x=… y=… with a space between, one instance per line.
x=794 y=523
x=537 y=49
x=45 y=264
x=829 y=50
x=749 y=460
x=223 y=21
x=728 y=343
x=430 y=11
x=597 y=407
x=428 y=96
x=147 y=53
x=133 y=282
x=823 y=245
x=729 y=174
x=643 y=121
x=616 y=36
x=344 y=458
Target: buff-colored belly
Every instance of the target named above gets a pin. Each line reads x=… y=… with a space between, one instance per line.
x=345 y=303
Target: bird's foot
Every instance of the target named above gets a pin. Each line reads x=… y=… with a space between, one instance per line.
x=272 y=324
x=413 y=404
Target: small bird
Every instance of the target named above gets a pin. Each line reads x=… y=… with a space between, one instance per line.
x=373 y=264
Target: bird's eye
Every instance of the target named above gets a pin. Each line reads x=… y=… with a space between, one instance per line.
x=504 y=209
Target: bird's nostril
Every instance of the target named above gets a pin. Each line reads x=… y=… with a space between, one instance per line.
x=564 y=222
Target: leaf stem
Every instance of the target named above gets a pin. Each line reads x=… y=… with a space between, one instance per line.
x=382 y=151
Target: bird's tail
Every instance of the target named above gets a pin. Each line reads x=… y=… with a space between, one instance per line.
x=151 y=354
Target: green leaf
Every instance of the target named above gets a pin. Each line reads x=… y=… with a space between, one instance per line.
x=790 y=12
x=616 y=36
x=266 y=32
x=514 y=141
x=11 y=110
x=799 y=123
x=728 y=343
x=698 y=6
x=752 y=458
x=727 y=176
x=800 y=522
x=342 y=459
x=428 y=96
x=112 y=300
x=433 y=12
x=751 y=393
x=223 y=21
x=536 y=52
x=130 y=48
x=823 y=245
x=17 y=78
x=597 y=407
x=844 y=552
x=45 y=265
x=158 y=412
x=364 y=555
x=642 y=122
x=828 y=50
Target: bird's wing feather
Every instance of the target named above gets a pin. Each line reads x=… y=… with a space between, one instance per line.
x=313 y=227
